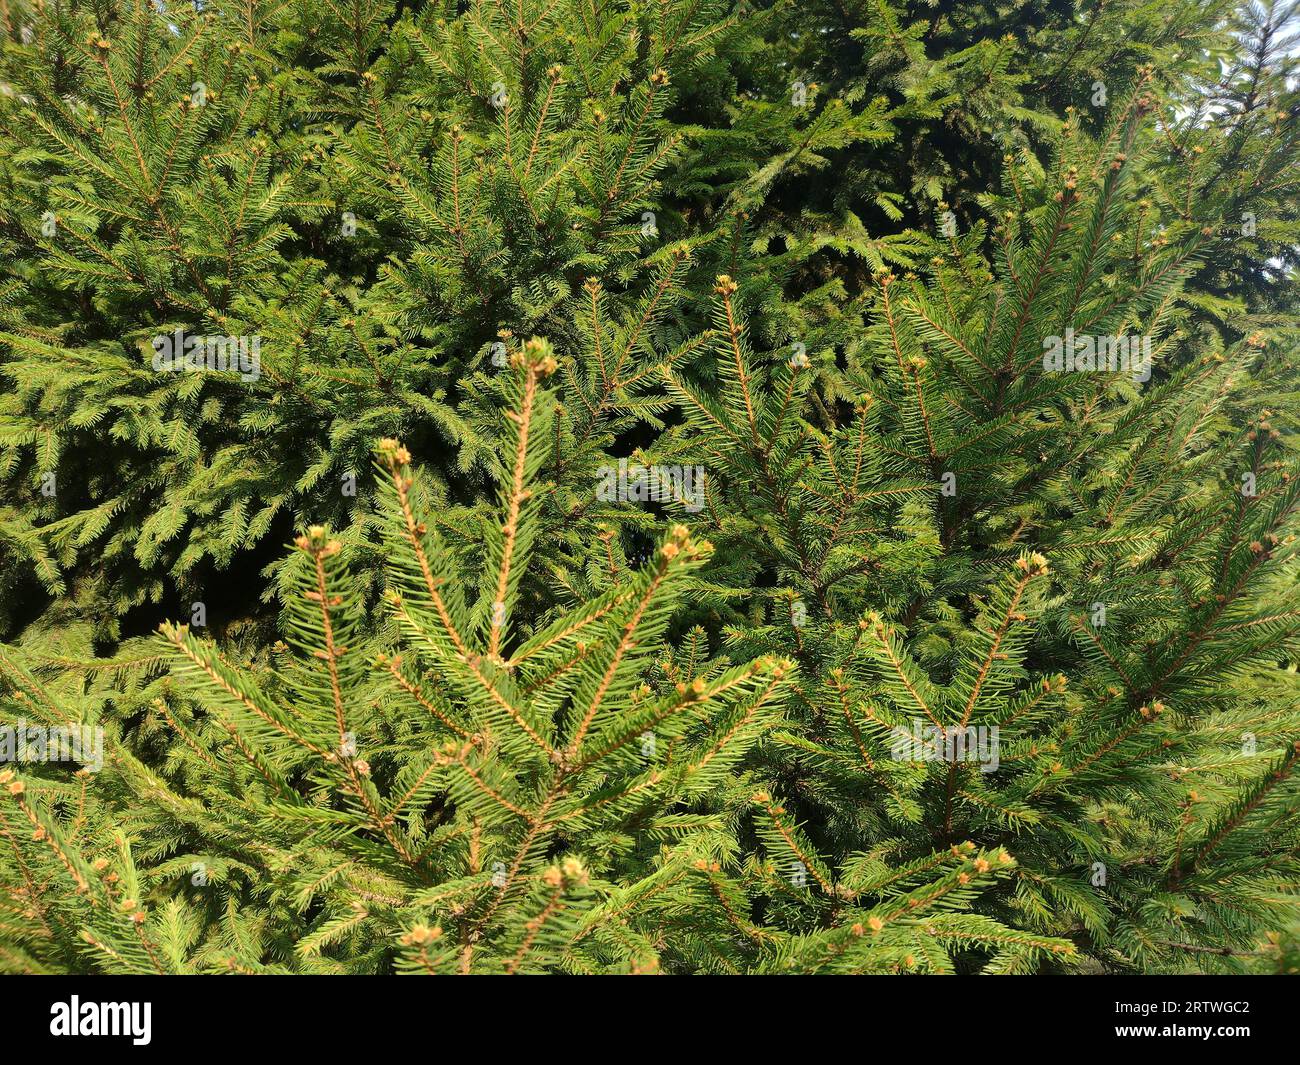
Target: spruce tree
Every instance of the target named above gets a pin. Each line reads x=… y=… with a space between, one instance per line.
x=879 y=556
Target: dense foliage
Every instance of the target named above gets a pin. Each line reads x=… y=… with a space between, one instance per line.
x=704 y=553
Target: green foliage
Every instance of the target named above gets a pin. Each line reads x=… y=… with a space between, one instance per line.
x=441 y=790
x=952 y=659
